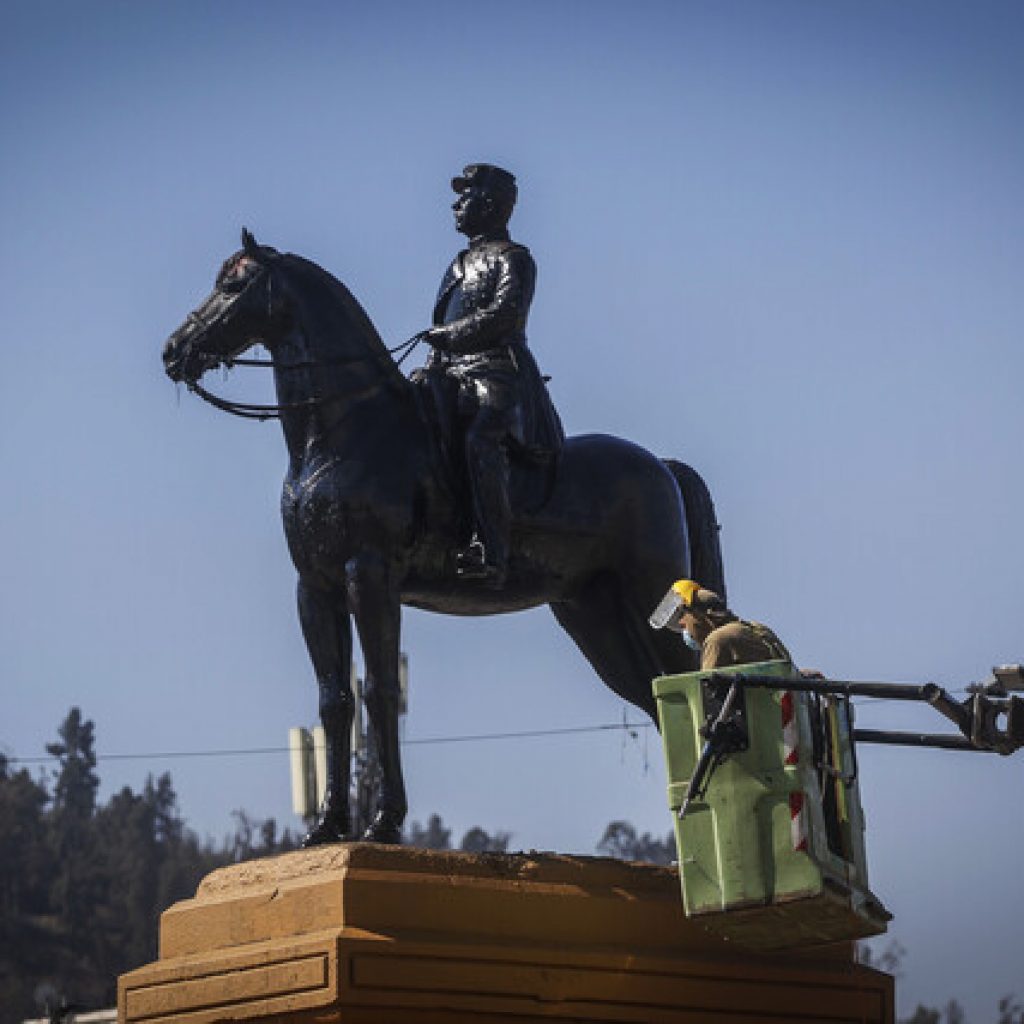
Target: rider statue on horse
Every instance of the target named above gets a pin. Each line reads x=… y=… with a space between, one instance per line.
x=371 y=514
x=490 y=397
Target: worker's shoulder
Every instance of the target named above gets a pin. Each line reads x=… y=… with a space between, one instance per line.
x=725 y=643
x=731 y=630
x=741 y=640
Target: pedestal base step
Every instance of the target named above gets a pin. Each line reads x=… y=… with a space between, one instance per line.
x=358 y=933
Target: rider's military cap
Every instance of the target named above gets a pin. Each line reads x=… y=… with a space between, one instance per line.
x=487 y=176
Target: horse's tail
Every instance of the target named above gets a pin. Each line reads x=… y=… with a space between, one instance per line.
x=706 y=565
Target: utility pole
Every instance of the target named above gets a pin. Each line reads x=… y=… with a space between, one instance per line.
x=308 y=757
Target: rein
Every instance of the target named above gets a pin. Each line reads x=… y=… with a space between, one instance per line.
x=405 y=348
x=251 y=411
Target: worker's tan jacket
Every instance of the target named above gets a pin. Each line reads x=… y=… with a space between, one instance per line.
x=741 y=643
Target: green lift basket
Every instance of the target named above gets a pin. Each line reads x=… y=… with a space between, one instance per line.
x=771 y=855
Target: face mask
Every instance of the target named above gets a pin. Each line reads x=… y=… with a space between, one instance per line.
x=691 y=641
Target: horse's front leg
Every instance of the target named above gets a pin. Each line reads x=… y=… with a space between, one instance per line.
x=374 y=600
x=328 y=633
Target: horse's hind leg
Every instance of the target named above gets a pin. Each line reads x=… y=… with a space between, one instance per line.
x=374 y=599
x=645 y=590
x=615 y=639
x=328 y=635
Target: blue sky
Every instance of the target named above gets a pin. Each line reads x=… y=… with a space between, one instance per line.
x=781 y=241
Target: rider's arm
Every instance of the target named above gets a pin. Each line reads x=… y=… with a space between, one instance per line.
x=503 y=316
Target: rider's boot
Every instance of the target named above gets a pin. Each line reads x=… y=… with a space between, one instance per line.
x=486 y=557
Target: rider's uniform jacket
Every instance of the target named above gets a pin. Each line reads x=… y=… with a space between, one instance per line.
x=485 y=297
x=481 y=311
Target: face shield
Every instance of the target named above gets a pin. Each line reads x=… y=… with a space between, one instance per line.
x=671 y=607
x=667 y=614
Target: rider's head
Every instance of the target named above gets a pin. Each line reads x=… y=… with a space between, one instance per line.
x=487 y=195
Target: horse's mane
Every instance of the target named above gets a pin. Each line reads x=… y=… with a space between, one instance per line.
x=343 y=312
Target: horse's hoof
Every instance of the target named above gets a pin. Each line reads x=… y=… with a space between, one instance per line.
x=326 y=831
x=385 y=828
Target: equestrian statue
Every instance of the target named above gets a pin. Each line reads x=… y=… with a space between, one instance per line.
x=454 y=491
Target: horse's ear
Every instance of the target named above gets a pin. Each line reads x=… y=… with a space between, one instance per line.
x=249 y=243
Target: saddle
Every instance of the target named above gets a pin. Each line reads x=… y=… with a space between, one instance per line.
x=532 y=463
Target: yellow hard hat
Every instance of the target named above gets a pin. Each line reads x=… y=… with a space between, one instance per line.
x=683 y=595
x=686 y=589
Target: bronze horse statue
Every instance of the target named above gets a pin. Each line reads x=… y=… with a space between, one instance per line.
x=371 y=516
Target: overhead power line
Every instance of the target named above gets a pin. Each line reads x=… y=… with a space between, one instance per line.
x=423 y=741
x=628 y=726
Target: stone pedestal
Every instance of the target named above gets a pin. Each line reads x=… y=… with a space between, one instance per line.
x=362 y=933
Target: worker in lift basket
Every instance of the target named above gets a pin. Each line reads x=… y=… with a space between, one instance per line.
x=710 y=629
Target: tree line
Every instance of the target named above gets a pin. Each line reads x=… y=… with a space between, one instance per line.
x=890 y=960
x=83 y=883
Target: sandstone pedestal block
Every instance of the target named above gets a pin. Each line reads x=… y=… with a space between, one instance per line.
x=357 y=933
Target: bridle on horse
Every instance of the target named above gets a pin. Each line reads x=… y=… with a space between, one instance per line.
x=252 y=411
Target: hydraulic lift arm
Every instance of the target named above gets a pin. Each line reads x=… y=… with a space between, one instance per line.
x=990 y=720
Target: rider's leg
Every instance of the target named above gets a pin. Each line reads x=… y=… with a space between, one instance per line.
x=487 y=463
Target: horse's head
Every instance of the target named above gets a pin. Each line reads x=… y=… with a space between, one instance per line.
x=238 y=313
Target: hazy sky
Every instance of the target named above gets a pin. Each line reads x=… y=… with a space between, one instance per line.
x=781 y=241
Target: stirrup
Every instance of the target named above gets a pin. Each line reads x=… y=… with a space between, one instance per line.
x=471 y=563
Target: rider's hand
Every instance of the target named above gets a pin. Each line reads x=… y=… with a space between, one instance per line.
x=436 y=337
x=430 y=365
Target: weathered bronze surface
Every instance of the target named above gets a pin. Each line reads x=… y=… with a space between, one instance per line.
x=372 y=512
x=482 y=378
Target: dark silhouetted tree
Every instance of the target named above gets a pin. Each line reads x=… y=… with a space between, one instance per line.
x=955 y=1013
x=82 y=885
x=1010 y=1011
x=476 y=840
x=889 y=959
x=434 y=837
x=27 y=939
x=620 y=840
x=79 y=879
x=922 y=1015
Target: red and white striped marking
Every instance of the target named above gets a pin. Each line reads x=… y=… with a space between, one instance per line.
x=797 y=820
x=791 y=756
x=790 y=732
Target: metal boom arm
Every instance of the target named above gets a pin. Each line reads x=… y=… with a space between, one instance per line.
x=978 y=717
